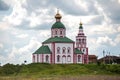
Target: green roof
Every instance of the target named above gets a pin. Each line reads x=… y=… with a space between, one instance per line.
x=58 y=25
x=43 y=50
x=81 y=27
x=77 y=51
x=58 y=39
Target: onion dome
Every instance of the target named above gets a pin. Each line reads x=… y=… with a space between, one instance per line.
x=81 y=27
x=58 y=16
x=58 y=23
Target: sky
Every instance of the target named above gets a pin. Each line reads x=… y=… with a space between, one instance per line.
x=25 y=24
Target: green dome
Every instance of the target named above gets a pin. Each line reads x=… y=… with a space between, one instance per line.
x=58 y=25
x=80 y=27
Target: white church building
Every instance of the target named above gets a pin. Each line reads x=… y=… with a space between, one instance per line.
x=59 y=49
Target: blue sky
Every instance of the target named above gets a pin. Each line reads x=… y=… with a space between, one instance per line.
x=25 y=24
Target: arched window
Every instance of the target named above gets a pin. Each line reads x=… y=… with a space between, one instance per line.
x=61 y=32
x=58 y=50
x=47 y=58
x=58 y=58
x=68 y=50
x=63 y=59
x=63 y=49
x=56 y=32
x=68 y=58
x=33 y=58
x=79 y=58
x=82 y=40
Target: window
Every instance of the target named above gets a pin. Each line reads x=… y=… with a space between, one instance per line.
x=79 y=58
x=63 y=49
x=68 y=58
x=33 y=58
x=60 y=32
x=58 y=50
x=47 y=58
x=58 y=58
x=83 y=50
x=63 y=59
x=56 y=32
x=82 y=40
x=68 y=50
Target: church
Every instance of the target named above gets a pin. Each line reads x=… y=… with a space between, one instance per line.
x=59 y=49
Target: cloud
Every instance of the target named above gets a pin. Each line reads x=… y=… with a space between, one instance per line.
x=117 y=39
x=22 y=36
x=105 y=41
x=4 y=25
x=17 y=15
x=3 y=6
x=18 y=55
x=1 y=45
x=111 y=9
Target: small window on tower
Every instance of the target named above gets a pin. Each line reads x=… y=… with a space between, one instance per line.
x=79 y=58
x=82 y=40
x=56 y=32
x=60 y=32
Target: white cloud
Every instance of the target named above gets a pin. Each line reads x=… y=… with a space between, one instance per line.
x=4 y=25
x=103 y=29
x=117 y=39
x=18 y=14
x=33 y=44
x=38 y=17
x=18 y=55
x=105 y=41
x=1 y=45
x=22 y=36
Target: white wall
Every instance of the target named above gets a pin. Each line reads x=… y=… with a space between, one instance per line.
x=80 y=58
x=44 y=56
x=40 y=58
x=66 y=45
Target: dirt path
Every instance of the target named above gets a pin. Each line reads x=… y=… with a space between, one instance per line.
x=84 y=77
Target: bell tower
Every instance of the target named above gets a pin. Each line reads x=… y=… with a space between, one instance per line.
x=81 y=43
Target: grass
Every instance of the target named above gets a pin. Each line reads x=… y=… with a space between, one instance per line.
x=37 y=71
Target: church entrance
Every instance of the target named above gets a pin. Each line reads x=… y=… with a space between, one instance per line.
x=63 y=59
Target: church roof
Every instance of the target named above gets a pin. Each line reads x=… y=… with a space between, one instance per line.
x=58 y=25
x=77 y=51
x=58 y=39
x=43 y=50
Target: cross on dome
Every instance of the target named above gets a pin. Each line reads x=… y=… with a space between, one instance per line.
x=58 y=16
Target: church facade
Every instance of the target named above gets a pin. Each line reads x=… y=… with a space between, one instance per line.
x=59 y=49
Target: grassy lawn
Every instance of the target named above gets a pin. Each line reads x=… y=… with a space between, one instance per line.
x=37 y=71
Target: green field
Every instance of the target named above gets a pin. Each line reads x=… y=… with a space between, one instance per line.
x=59 y=71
